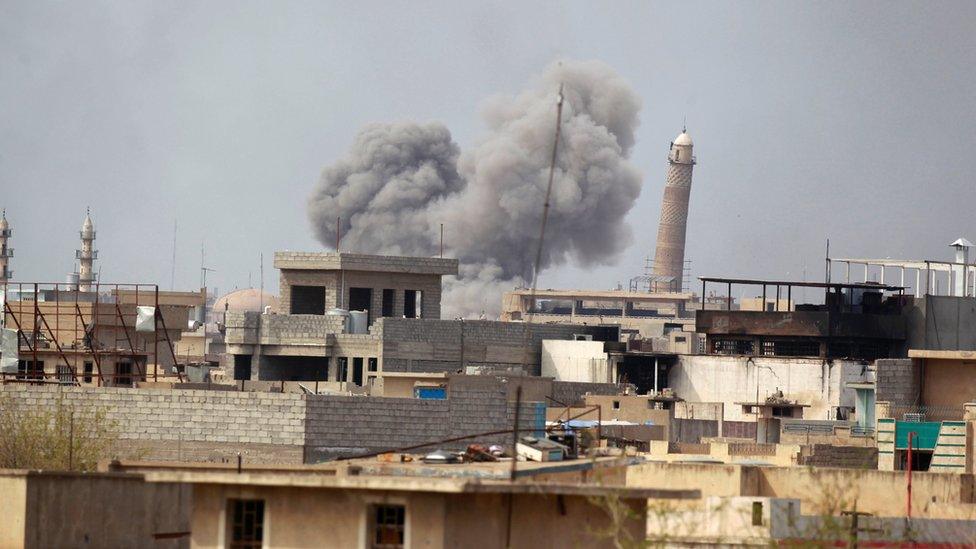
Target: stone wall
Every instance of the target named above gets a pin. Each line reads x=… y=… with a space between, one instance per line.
x=897 y=381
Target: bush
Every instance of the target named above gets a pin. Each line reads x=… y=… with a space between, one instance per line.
x=65 y=439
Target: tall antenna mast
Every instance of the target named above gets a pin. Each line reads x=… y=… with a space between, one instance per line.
x=203 y=269
x=545 y=207
x=172 y=274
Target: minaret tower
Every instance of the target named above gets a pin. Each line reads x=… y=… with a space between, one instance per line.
x=87 y=255
x=6 y=252
x=669 y=256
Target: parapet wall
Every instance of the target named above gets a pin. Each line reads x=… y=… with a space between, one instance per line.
x=441 y=346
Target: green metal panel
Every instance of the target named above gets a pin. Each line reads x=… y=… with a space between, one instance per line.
x=927 y=434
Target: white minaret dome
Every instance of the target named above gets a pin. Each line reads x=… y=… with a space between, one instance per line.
x=3 y=222
x=87 y=226
x=683 y=139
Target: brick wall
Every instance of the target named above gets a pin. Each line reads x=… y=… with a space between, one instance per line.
x=897 y=381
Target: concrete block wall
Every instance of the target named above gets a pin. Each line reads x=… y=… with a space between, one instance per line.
x=161 y=417
x=410 y=345
x=897 y=381
x=851 y=457
x=242 y=329
x=341 y=426
x=571 y=393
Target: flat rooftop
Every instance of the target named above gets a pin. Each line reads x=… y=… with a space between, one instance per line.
x=604 y=295
x=343 y=261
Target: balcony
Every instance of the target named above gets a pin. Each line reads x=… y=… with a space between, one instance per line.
x=6 y=252
x=6 y=233
x=81 y=254
x=86 y=235
x=6 y=274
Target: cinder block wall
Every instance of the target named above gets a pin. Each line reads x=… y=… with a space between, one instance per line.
x=897 y=381
x=154 y=423
x=342 y=426
x=436 y=346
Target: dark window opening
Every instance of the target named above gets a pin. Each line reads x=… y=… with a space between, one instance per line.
x=357 y=371
x=616 y=405
x=732 y=347
x=410 y=304
x=388 y=297
x=342 y=368
x=242 y=367
x=246 y=523
x=27 y=369
x=387 y=526
x=361 y=299
x=373 y=364
x=307 y=300
x=123 y=374
x=781 y=411
x=921 y=460
x=89 y=370
x=757 y=513
x=680 y=339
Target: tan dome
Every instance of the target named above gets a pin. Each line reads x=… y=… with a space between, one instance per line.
x=246 y=300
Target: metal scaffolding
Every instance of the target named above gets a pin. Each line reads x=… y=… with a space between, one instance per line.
x=88 y=328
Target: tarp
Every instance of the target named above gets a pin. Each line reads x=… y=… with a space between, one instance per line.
x=145 y=319
x=9 y=354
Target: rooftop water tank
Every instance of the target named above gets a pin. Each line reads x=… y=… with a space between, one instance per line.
x=358 y=322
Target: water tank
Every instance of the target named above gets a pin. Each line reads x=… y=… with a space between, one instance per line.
x=358 y=322
x=342 y=314
x=72 y=280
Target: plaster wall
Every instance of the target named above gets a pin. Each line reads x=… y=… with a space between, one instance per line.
x=730 y=379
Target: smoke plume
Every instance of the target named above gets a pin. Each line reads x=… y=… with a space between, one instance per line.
x=400 y=181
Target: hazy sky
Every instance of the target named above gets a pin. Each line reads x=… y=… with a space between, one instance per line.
x=853 y=121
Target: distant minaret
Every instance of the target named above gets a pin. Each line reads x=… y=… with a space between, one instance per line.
x=669 y=256
x=87 y=255
x=5 y=252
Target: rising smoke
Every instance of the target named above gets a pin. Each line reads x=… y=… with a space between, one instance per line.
x=400 y=181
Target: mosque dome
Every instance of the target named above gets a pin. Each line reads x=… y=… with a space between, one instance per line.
x=244 y=301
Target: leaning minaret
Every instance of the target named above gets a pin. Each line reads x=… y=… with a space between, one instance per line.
x=87 y=255
x=6 y=252
x=669 y=256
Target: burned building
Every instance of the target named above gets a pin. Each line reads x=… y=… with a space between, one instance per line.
x=858 y=321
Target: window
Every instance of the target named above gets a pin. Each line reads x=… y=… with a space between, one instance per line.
x=342 y=368
x=410 y=309
x=246 y=523
x=307 y=300
x=388 y=297
x=65 y=373
x=89 y=369
x=123 y=374
x=781 y=411
x=357 y=371
x=373 y=363
x=616 y=405
x=757 y=513
x=361 y=299
x=680 y=339
x=387 y=526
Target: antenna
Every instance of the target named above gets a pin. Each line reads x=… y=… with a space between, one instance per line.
x=172 y=274
x=203 y=269
x=261 y=295
x=545 y=207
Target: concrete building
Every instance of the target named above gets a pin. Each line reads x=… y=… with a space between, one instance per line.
x=669 y=254
x=316 y=337
x=6 y=252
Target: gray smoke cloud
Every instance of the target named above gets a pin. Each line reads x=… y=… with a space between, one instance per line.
x=400 y=181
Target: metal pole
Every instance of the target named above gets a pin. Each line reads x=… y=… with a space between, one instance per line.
x=338 y=219
x=909 y=496
x=703 y=296
x=729 y=297
x=656 y=389
x=442 y=240
x=156 y=315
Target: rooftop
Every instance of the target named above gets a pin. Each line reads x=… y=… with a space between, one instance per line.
x=343 y=261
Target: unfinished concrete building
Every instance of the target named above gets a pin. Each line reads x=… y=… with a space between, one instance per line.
x=354 y=319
